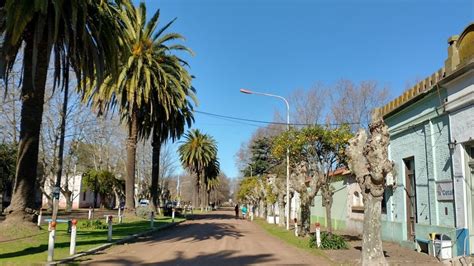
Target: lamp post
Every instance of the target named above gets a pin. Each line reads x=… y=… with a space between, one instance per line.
x=287 y=149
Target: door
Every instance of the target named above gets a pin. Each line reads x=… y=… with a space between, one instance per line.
x=410 y=192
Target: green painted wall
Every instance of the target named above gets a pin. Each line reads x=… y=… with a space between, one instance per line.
x=338 y=210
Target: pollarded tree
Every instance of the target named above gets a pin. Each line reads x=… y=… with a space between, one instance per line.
x=196 y=153
x=368 y=161
x=82 y=35
x=152 y=82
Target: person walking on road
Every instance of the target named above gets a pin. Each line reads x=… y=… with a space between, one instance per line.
x=236 y=211
x=244 y=212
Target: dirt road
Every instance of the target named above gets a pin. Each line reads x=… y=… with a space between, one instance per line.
x=212 y=239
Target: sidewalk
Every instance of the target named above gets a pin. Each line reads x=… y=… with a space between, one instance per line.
x=394 y=253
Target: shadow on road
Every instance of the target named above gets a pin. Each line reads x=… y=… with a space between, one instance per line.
x=213 y=216
x=225 y=257
x=193 y=232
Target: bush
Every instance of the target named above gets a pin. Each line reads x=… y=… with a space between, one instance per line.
x=329 y=241
x=94 y=224
x=143 y=212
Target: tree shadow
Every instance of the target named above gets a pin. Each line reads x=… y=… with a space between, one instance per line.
x=385 y=253
x=193 y=232
x=224 y=257
x=44 y=247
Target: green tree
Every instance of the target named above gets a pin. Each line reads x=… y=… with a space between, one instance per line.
x=198 y=154
x=77 y=34
x=315 y=153
x=101 y=182
x=152 y=85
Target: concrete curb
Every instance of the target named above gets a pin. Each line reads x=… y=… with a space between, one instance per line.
x=107 y=245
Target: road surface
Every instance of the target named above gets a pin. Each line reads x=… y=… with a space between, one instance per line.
x=211 y=239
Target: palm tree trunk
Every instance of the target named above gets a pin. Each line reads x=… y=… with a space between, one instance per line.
x=32 y=95
x=131 y=159
x=155 y=170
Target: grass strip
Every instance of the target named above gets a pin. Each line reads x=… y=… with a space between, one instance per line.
x=289 y=237
x=31 y=247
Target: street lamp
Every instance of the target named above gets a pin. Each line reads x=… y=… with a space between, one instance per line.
x=287 y=150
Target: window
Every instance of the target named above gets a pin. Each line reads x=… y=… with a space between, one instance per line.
x=84 y=195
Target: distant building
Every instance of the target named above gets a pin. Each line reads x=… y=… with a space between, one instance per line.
x=347 y=210
x=81 y=197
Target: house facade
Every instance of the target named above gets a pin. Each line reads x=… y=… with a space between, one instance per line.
x=431 y=131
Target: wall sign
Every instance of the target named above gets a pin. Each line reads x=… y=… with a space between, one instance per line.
x=445 y=190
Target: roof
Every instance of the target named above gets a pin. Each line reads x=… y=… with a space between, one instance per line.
x=460 y=54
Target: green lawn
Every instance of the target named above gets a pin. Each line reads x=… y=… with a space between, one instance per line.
x=31 y=246
x=289 y=237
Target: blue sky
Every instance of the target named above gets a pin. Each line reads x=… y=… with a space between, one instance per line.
x=279 y=46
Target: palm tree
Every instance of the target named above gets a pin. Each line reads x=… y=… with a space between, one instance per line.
x=198 y=153
x=211 y=180
x=162 y=129
x=152 y=84
x=77 y=34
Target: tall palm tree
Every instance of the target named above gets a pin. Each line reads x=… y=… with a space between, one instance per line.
x=198 y=153
x=161 y=130
x=77 y=34
x=152 y=82
x=211 y=174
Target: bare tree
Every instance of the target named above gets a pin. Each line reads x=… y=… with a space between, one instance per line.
x=353 y=103
x=368 y=161
x=308 y=106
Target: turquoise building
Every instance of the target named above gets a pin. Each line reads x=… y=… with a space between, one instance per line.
x=431 y=127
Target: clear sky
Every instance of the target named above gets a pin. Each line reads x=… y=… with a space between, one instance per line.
x=278 y=46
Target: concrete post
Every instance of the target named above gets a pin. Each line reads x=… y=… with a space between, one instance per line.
x=52 y=235
x=109 y=221
x=296 y=227
x=152 y=220
x=119 y=215
x=40 y=217
x=72 y=247
x=90 y=214
x=318 y=235
x=172 y=215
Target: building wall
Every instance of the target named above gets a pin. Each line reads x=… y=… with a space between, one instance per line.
x=460 y=105
x=78 y=193
x=338 y=210
x=421 y=131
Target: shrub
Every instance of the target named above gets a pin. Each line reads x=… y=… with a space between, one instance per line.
x=94 y=224
x=143 y=212
x=329 y=241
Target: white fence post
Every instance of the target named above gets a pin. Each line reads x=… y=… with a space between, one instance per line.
x=72 y=248
x=296 y=227
x=90 y=214
x=52 y=234
x=172 y=215
x=119 y=215
x=40 y=217
x=318 y=235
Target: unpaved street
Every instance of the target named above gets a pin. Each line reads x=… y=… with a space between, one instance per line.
x=212 y=239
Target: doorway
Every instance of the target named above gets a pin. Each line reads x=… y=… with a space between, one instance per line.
x=410 y=189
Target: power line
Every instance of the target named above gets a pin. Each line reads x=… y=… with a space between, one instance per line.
x=225 y=117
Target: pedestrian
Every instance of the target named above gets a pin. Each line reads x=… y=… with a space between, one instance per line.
x=244 y=212
x=237 y=211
